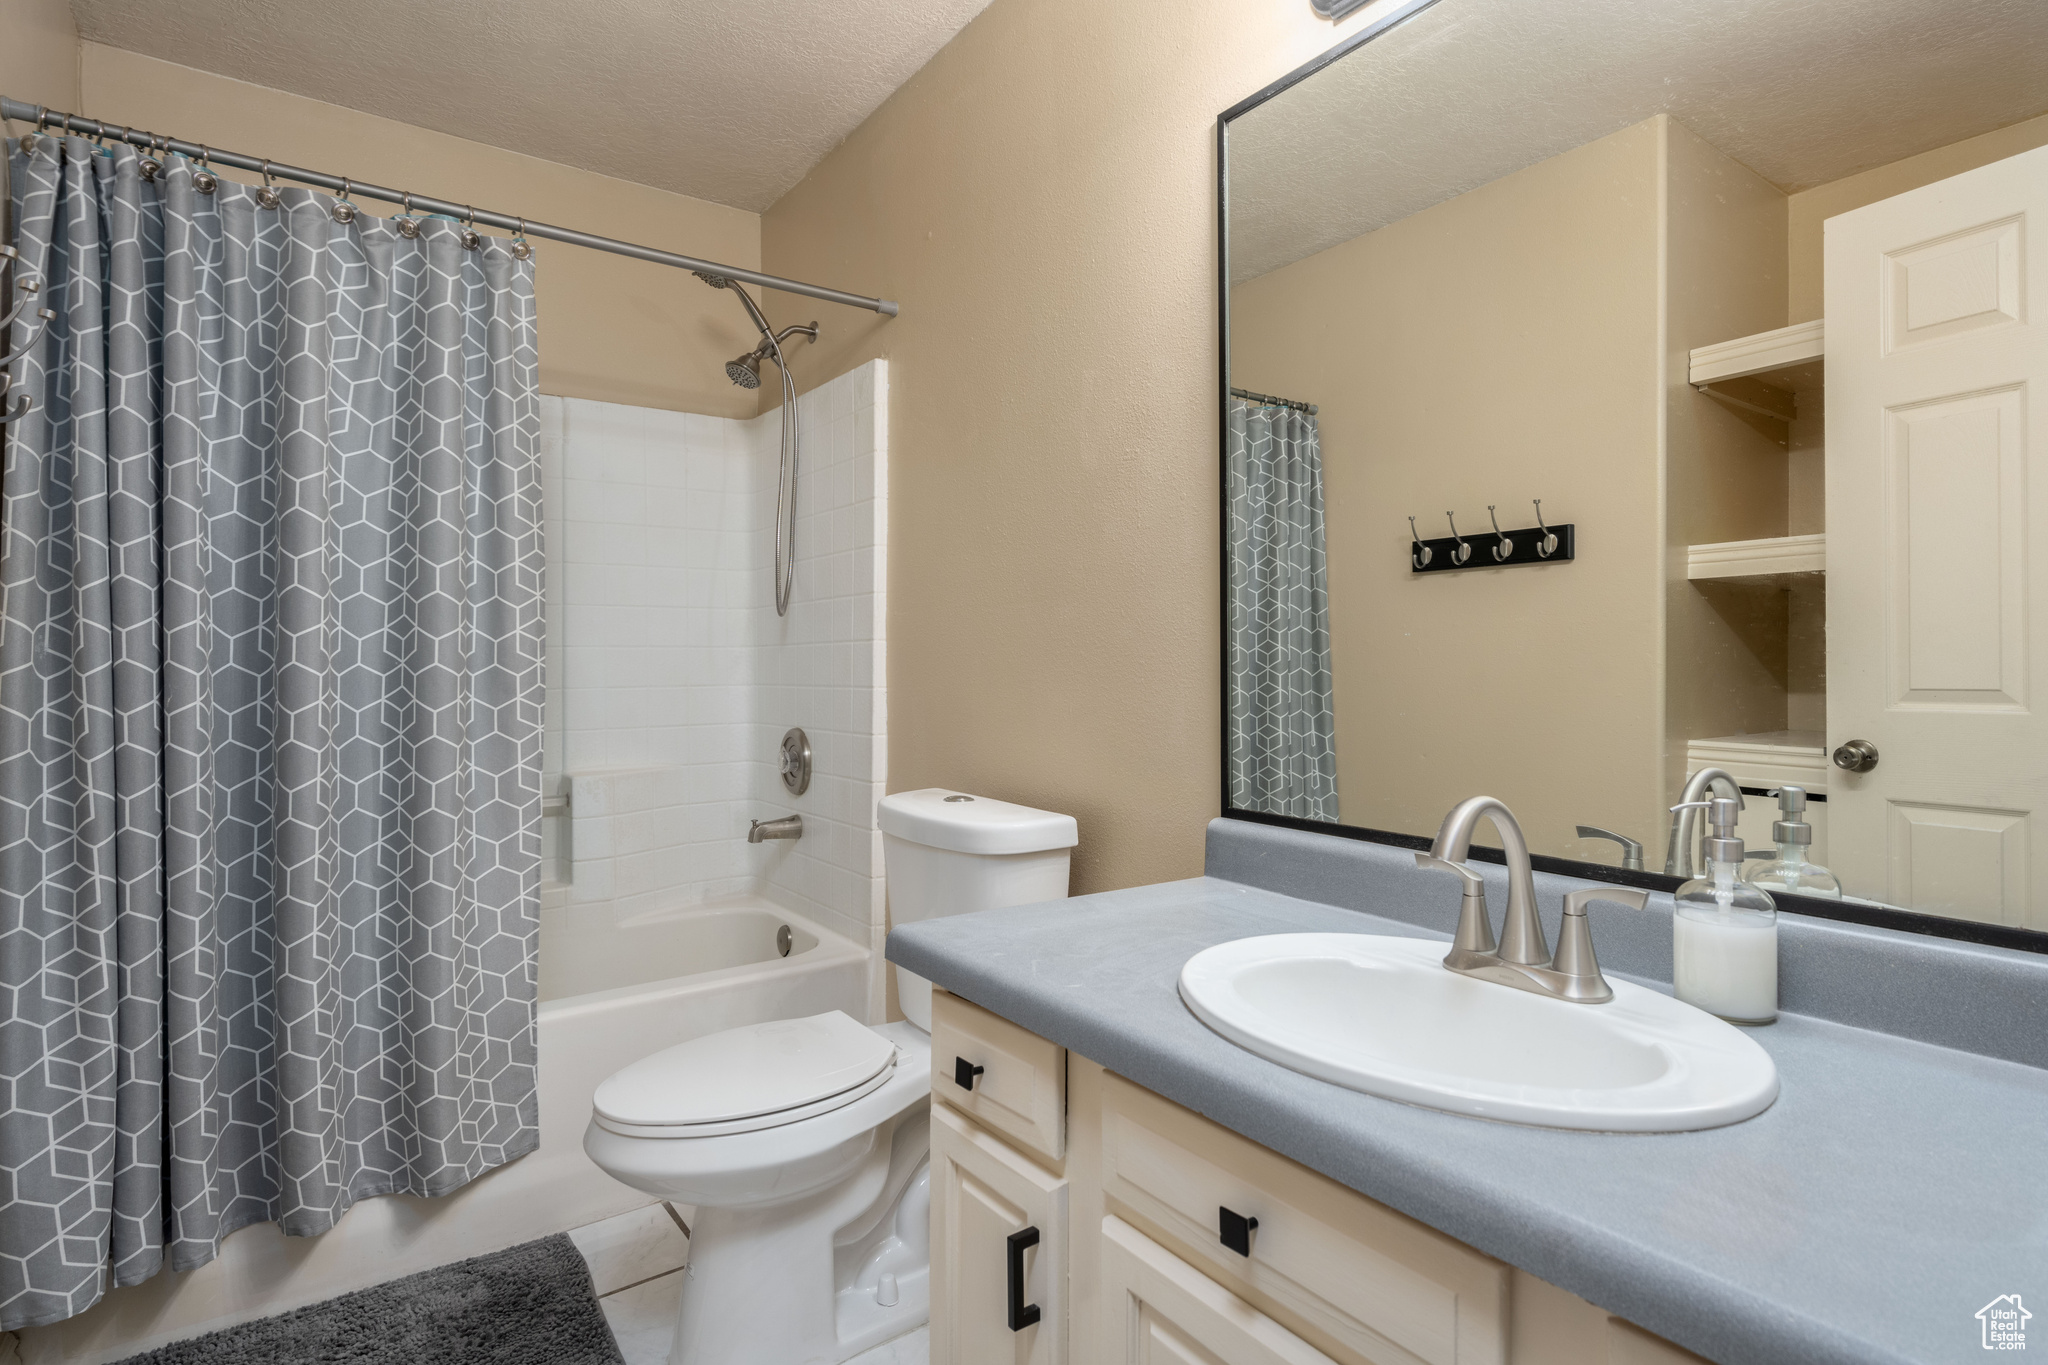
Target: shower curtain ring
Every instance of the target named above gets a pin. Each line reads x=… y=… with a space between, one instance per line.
x=268 y=197
x=344 y=211
x=471 y=238
x=407 y=225
x=152 y=165
x=521 y=248
x=203 y=179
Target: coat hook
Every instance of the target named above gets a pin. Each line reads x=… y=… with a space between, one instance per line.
x=1506 y=547
x=29 y=286
x=22 y=407
x=1464 y=551
x=1421 y=554
x=1546 y=543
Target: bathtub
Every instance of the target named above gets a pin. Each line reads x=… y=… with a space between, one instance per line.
x=610 y=994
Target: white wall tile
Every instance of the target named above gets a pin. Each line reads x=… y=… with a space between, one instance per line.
x=671 y=679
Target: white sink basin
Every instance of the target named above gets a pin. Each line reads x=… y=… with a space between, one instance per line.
x=1384 y=1016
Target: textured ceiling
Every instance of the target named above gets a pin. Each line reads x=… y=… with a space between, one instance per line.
x=1801 y=91
x=728 y=101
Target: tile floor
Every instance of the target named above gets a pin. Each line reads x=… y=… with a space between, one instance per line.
x=636 y=1262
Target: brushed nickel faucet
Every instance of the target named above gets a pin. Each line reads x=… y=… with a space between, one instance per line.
x=1679 y=859
x=788 y=827
x=1522 y=958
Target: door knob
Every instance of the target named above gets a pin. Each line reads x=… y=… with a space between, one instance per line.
x=1856 y=756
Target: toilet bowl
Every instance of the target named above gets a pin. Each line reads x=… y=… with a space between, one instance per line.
x=805 y=1143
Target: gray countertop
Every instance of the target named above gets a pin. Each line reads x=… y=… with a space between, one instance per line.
x=1894 y=1189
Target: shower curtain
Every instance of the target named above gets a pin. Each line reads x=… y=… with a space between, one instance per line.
x=270 y=721
x=1283 y=747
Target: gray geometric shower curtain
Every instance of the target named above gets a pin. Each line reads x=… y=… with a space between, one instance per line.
x=270 y=721
x=1283 y=727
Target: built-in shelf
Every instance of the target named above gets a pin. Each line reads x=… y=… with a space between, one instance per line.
x=1778 y=560
x=1761 y=373
x=1763 y=761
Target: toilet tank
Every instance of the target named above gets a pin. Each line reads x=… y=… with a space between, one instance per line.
x=946 y=853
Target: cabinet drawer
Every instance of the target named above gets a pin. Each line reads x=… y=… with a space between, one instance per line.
x=1374 y=1282
x=1159 y=1310
x=986 y=1201
x=1021 y=1089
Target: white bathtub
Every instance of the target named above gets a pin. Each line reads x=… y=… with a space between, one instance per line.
x=630 y=999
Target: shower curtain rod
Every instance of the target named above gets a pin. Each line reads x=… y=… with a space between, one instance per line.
x=43 y=118
x=1268 y=400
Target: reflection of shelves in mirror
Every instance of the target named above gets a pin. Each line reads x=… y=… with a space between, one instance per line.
x=1776 y=561
x=1766 y=760
x=1760 y=373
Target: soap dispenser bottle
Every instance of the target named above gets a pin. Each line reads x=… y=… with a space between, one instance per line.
x=1724 y=937
x=1790 y=871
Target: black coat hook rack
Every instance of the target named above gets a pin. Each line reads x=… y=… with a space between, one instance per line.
x=1493 y=549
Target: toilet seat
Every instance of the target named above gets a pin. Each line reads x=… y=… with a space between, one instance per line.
x=746 y=1079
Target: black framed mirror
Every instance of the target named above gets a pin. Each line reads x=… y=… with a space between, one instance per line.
x=1623 y=404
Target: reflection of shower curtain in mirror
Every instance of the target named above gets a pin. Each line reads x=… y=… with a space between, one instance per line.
x=1283 y=750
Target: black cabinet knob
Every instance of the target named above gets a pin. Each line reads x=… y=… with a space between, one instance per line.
x=964 y=1073
x=1236 y=1230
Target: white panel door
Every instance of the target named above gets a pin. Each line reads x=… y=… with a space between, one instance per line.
x=985 y=1194
x=1159 y=1310
x=1937 y=514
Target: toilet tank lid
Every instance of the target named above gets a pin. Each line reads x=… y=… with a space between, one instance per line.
x=939 y=817
x=744 y=1072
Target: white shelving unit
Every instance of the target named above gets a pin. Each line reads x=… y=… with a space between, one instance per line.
x=1777 y=560
x=1761 y=373
x=1766 y=760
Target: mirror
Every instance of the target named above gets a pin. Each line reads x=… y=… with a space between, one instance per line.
x=1704 y=344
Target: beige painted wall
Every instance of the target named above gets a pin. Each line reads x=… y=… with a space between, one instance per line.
x=1041 y=199
x=1495 y=348
x=39 y=53
x=610 y=328
x=1809 y=209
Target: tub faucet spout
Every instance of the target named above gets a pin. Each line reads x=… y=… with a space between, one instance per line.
x=788 y=827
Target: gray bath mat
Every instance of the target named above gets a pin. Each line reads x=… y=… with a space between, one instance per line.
x=527 y=1305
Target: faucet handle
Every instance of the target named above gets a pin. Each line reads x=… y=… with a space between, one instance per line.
x=1475 y=930
x=1631 y=851
x=1575 y=964
x=1472 y=883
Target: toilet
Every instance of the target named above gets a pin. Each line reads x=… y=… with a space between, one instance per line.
x=804 y=1143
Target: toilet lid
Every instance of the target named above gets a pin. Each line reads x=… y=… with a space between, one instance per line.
x=746 y=1077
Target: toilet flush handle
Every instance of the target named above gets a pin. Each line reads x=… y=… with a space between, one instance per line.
x=964 y=1073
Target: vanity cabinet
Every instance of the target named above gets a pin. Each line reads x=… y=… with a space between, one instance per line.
x=999 y=1250
x=1145 y=1234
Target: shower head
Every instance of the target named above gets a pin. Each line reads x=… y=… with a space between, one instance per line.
x=746 y=371
x=715 y=281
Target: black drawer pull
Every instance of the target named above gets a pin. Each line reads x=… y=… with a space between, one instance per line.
x=1022 y=1314
x=1236 y=1230
x=964 y=1073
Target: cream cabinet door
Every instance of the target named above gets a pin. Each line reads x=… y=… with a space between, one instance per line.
x=1159 y=1310
x=1937 y=516
x=999 y=1251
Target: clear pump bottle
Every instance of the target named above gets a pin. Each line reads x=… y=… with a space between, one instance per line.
x=1790 y=871
x=1724 y=937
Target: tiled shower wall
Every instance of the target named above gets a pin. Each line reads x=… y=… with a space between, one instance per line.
x=671 y=679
